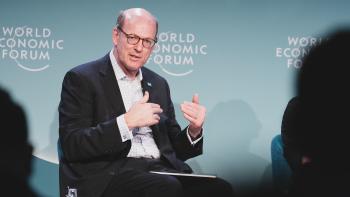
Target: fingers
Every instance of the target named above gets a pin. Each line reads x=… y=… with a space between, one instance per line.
x=157 y=110
x=190 y=106
x=189 y=109
x=145 y=97
x=154 y=105
x=143 y=113
x=189 y=118
x=195 y=98
x=155 y=120
x=156 y=117
x=194 y=112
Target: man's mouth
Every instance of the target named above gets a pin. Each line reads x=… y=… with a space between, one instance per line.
x=135 y=57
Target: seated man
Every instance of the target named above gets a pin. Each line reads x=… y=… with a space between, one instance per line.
x=117 y=123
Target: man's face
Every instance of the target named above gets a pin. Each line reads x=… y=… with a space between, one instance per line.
x=131 y=57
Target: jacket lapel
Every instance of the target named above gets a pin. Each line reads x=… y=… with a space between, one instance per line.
x=111 y=88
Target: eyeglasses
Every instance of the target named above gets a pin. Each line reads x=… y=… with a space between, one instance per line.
x=134 y=39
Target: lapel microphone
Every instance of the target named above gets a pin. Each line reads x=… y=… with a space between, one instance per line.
x=146 y=86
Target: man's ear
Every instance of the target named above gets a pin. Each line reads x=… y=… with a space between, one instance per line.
x=115 y=35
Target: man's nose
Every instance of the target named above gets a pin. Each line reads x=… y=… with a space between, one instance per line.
x=139 y=46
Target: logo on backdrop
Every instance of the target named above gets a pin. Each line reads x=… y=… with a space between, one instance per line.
x=177 y=53
x=297 y=48
x=31 y=48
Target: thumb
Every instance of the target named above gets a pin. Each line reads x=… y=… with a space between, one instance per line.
x=195 y=98
x=145 y=97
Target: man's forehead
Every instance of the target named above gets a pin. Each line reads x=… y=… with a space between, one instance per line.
x=141 y=26
x=140 y=22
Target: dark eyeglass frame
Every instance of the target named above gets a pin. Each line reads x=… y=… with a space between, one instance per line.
x=130 y=37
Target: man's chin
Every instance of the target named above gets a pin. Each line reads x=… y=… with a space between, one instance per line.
x=134 y=68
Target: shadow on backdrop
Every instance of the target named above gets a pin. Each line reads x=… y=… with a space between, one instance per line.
x=230 y=129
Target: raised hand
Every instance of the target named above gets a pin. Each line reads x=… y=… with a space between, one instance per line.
x=143 y=114
x=195 y=114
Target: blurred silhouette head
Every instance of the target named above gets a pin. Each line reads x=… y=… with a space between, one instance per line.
x=14 y=148
x=322 y=86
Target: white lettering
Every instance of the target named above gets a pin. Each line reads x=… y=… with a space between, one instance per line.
x=21 y=43
x=291 y=52
x=303 y=42
x=7 y=30
x=32 y=43
x=295 y=52
x=167 y=59
x=286 y=52
x=158 y=59
x=19 y=32
x=184 y=49
x=188 y=61
x=187 y=49
x=43 y=44
x=181 y=40
x=14 y=54
x=156 y=48
x=176 y=48
x=292 y=40
x=29 y=32
x=190 y=38
x=46 y=32
x=166 y=48
x=296 y=63
x=312 y=41
x=278 y=52
x=163 y=37
x=11 y=43
x=25 y=54
x=59 y=44
x=201 y=49
x=4 y=53
x=44 y=56
x=2 y=45
x=173 y=60
x=174 y=37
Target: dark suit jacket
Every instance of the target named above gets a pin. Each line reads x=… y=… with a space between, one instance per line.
x=89 y=135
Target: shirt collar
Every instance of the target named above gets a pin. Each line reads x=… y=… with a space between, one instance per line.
x=119 y=73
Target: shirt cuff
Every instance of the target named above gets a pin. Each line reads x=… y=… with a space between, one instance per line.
x=124 y=131
x=190 y=139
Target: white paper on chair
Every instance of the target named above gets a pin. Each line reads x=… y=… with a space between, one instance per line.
x=184 y=174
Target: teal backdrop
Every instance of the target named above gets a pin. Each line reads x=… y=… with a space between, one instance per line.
x=241 y=57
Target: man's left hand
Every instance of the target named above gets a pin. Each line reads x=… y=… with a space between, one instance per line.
x=195 y=114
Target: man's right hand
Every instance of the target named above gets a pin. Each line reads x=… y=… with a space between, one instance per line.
x=143 y=114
